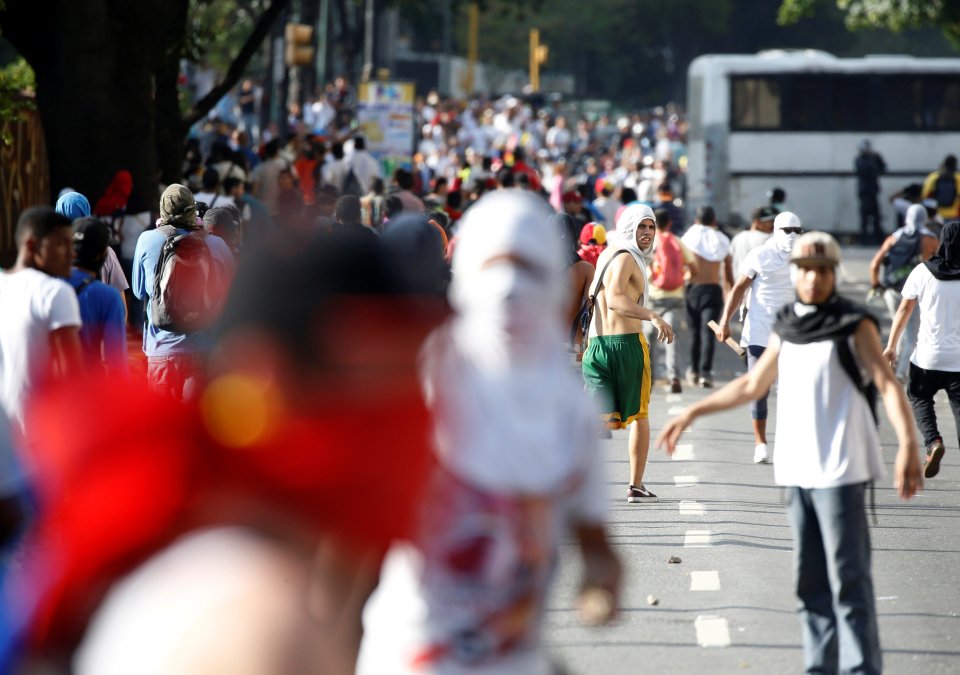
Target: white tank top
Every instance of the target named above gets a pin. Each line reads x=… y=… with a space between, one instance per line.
x=825 y=436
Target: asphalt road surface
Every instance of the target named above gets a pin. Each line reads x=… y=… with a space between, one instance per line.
x=728 y=606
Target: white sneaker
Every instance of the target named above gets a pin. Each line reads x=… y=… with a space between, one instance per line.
x=760 y=455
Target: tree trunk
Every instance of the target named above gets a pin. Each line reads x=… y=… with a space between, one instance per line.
x=94 y=92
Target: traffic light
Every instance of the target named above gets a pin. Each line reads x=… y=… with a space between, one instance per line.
x=299 y=44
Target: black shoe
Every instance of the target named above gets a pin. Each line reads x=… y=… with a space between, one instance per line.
x=932 y=466
x=675 y=387
x=706 y=382
x=640 y=495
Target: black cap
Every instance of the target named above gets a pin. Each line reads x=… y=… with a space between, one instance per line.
x=764 y=213
x=91 y=236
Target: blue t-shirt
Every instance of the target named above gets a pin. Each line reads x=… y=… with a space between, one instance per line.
x=104 y=330
x=158 y=342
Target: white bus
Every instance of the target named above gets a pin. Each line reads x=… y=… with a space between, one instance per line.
x=795 y=120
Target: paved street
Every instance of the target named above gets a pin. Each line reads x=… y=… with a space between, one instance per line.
x=728 y=606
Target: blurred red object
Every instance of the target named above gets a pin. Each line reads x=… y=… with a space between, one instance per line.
x=121 y=472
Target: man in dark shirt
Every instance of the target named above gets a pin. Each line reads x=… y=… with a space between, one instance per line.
x=869 y=165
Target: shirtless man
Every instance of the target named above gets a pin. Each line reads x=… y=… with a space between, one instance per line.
x=616 y=364
x=704 y=292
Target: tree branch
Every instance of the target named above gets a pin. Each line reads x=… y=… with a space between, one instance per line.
x=239 y=65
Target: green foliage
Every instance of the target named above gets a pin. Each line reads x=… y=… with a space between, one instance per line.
x=217 y=29
x=895 y=15
x=17 y=84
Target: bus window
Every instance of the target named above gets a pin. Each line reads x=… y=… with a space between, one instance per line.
x=755 y=103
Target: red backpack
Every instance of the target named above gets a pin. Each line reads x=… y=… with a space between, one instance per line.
x=666 y=273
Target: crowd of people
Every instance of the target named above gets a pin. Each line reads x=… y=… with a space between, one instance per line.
x=445 y=338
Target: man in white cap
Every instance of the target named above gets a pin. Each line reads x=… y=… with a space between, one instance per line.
x=616 y=364
x=765 y=272
x=827 y=452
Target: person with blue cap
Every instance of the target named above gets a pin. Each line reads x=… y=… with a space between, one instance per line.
x=73 y=205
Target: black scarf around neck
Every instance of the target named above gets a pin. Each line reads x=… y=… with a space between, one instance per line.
x=945 y=263
x=836 y=318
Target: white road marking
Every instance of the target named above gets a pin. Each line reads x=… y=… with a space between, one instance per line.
x=705 y=581
x=674 y=398
x=691 y=508
x=887 y=597
x=685 y=481
x=676 y=410
x=683 y=452
x=696 y=538
x=712 y=631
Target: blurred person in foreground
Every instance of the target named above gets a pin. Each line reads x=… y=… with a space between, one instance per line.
x=515 y=445
x=826 y=352
x=226 y=535
x=616 y=363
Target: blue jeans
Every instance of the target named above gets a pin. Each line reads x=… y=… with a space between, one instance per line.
x=831 y=545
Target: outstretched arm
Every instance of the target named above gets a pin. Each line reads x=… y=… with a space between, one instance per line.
x=745 y=388
x=906 y=470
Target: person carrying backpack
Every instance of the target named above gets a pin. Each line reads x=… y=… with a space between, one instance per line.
x=943 y=186
x=104 y=330
x=671 y=260
x=894 y=261
x=182 y=273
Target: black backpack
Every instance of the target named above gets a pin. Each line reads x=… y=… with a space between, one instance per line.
x=900 y=260
x=185 y=290
x=945 y=190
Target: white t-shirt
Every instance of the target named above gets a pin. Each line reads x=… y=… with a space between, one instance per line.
x=743 y=243
x=826 y=436
x=938 y=343
x=469 y=596
x=32 y=304
x=771 y=290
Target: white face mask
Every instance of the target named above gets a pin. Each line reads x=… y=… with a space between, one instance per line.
x=507 y=298
x=784 y=241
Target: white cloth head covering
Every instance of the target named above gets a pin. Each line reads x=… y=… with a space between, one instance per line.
x=915 y=221
x=707 y=242
x=782 y=241
x=513 y=306
x=510 y=412
x=625 y=239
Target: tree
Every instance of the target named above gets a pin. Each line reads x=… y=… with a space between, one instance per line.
x=895 y=15
x=107 y=85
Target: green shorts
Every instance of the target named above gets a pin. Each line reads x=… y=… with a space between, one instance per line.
x=617 y=368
